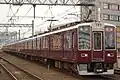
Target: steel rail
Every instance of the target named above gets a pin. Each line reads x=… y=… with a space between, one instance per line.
x=25 y=71
x=117 y=71
x=9 y=72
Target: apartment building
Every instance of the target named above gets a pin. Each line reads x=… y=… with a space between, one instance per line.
x=110 y=11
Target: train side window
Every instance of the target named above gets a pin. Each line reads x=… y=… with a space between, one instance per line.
x=73 y=41
x=34 y=43
x=30 y=44
x=56 y=41
x=44 y=42
x=38 y=43
x=68 y=40
x=23 y=45
x=26 y=44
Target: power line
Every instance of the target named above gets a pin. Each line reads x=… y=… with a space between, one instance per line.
x=49 y=2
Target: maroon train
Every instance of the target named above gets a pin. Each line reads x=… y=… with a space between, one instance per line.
x=84 y=48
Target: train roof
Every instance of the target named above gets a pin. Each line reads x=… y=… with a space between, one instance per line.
x=76 y=25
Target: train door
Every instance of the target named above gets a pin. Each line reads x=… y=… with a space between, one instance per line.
x=73 y=45
x=69 y=44
x=98 y=54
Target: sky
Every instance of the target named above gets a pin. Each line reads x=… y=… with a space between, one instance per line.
x=63 y=14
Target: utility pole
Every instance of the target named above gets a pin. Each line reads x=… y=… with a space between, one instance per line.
x=19 y=34
x=32 y=27
x=34 y=5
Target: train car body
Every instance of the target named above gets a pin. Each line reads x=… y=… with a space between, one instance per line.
x=83 y=48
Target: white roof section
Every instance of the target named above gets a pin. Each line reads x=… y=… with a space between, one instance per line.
x=60 y=30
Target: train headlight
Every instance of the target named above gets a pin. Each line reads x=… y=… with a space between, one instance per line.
x=84 y=28
x=109 y=29
x=110 y=55
x=84 y=55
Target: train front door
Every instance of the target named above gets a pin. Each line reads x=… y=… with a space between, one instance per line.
x=97 y=52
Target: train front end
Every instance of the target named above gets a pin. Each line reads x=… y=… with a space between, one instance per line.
x=96 y=48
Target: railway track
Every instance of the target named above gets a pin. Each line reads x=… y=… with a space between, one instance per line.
x=112 y=77
x=4 y=74
x=16 y=72
x=39 y=70
x=109 y=77
x=117 y=71
x=103 y=77
x=11 y=76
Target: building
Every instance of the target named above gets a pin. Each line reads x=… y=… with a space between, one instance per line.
x=109 y=10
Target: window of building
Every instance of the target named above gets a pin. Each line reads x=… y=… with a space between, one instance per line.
x=111 y=17
x=114 y=6
x=105 y=5
x=105 y=16
x=119 y=7
x=114 y=17
x=119 y=18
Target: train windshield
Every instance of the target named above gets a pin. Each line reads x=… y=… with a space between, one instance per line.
x=97 y=40
x=84 y=37
x=110 y=38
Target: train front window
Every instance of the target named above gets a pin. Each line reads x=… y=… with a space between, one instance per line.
x=97 y=40
x=84 y=37
x=109 y=38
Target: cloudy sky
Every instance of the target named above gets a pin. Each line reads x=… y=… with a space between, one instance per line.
x=24 y=15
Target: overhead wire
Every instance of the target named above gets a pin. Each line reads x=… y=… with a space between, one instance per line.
x=6 y=15
x=25 y=15
x=14 y=14
x=28 y=10
x=45 y=14
x=63 y=13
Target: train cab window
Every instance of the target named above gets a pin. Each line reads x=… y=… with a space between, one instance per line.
x=97 y=37
x=109 y=38
x=84 y=37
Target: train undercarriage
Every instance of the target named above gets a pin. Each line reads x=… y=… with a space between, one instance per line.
x=94 y=68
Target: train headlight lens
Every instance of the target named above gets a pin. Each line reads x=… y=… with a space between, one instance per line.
x=84 y=28
x=81 y=29
x=109 y=29
x=84 y=55
x=110 y=55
